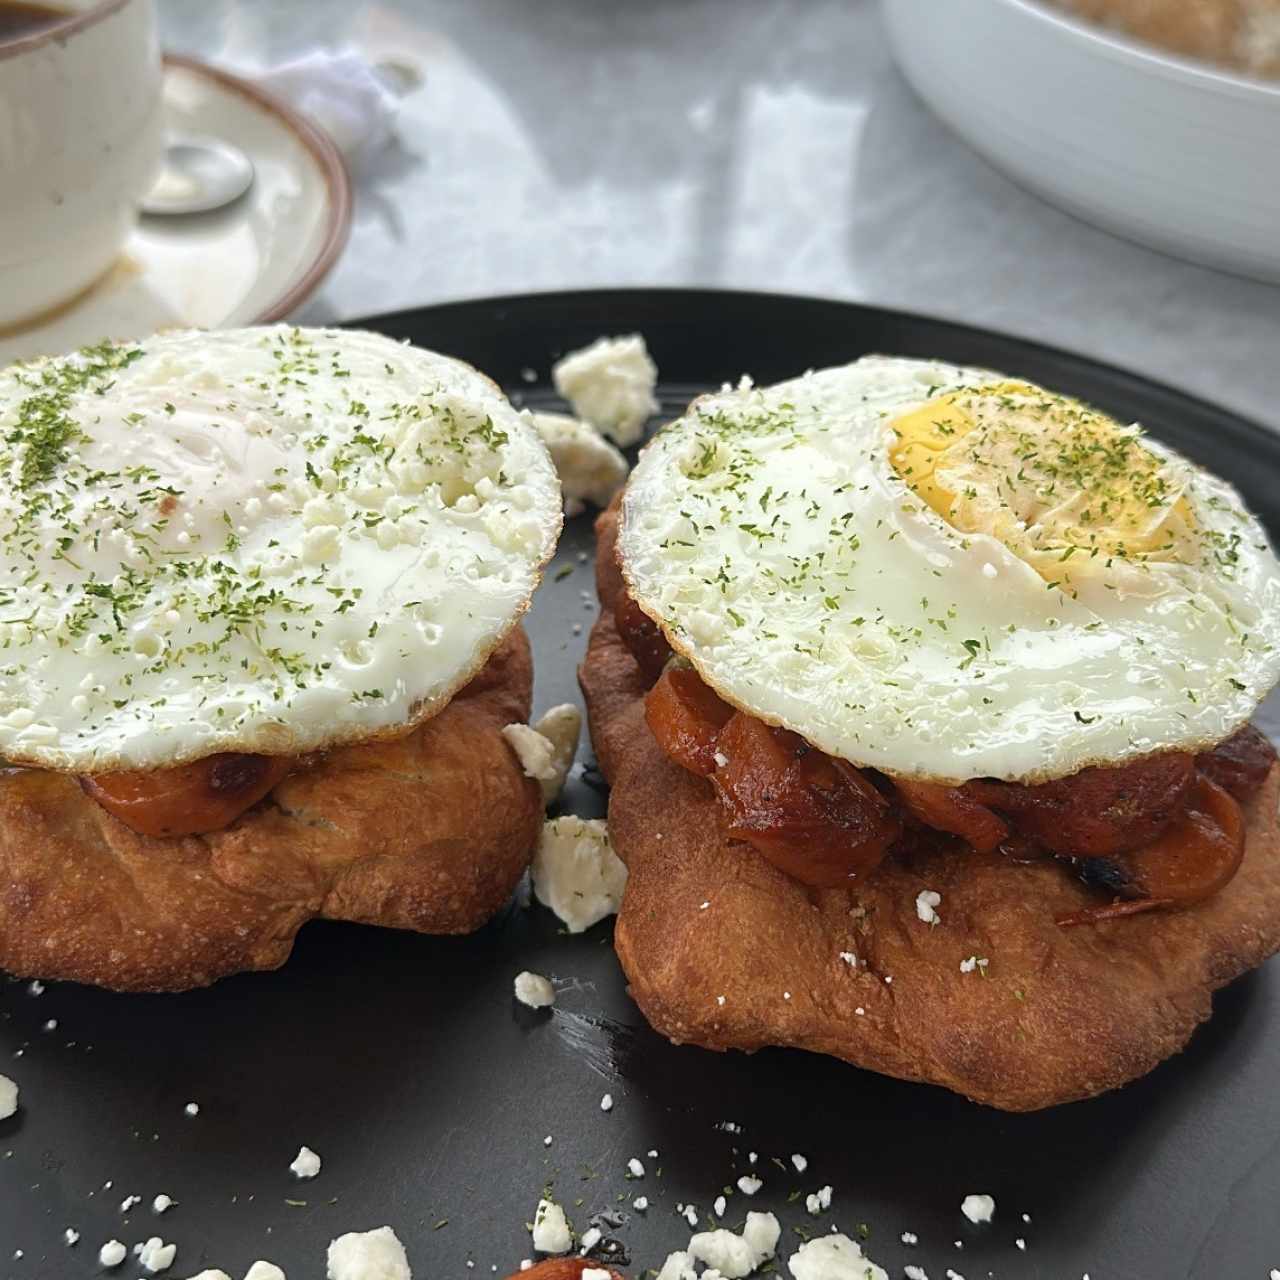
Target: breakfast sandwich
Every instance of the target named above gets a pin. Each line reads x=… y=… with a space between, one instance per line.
x=259 y=604
x=925 y=698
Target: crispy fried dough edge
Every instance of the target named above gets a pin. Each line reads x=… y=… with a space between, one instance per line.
x=1057 y=1016
x=85 y=899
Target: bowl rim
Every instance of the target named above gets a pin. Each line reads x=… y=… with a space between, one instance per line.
x=62 y=29
x=1147 y=57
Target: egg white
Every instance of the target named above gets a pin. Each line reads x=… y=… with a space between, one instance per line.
x=769 y=535
x=270 y=540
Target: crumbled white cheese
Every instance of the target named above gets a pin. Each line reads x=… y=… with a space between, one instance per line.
x=213 y=1274
x=561 y=726
x=162 y=1203
x=192 y=1108
x=576 y=872
x=972 y=963
x=546 y=1142
x=954 y=1275
x=154 y=1255
x=833 y=1257
x=719 y=1205
x=35 y=987
x=1021 y=1243
x=546 y=748
x=909 y=1237
x=306 y=1164
x=551 y=1229
x=70 y=1237
x=978 y=1208
x=262 y=1270
x=801 y=1162
x=8 y=1097
x=640 y=1203
x=749 y=1185
x=606 y=1102
x=590 y=1238
x=534 y=752
x=819 y=1201
x=595 y=1273
x=610 y=384
x=849 y=958
x=678 y=1266
x=912 y=1272
x=926 y=902
x=534 y=990
x=129 y=1202
x=590 y=468
x=690 y=1213
x=733 y=1255
x=635 y=1167
x=368 y=1255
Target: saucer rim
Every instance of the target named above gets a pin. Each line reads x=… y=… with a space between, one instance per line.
x=327 y=158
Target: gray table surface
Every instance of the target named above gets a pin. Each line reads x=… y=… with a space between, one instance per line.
x=741 y=143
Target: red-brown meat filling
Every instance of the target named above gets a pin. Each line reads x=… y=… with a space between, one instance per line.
x=1164 y=831
x=189 y=799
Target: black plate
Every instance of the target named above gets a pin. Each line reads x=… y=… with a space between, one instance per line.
x=428 y=1093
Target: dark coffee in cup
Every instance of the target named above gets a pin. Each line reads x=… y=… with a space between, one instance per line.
x=19 y=19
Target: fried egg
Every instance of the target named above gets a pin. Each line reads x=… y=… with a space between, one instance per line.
x=266 y=540
x=945 y=573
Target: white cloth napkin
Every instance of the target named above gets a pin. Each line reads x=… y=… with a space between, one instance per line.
x=355 y=102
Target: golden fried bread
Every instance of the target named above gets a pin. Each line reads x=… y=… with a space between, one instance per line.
x=1055 y=1014
x=428 y=832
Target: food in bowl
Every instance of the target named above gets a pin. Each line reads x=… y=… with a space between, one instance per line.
x=1243 y=35
x=259 y=641
x=925 y=695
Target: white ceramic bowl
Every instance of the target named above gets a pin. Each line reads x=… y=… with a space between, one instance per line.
x=1175 y=154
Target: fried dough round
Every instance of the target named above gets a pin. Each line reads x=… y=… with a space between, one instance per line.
x=1056 y=1014
x=429 y=832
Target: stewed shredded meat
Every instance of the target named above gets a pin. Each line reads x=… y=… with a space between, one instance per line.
x=1160 y=832
x=686 y=717
x=1195 y=856
x=1241 y=763
x=815 y=817
x=1096 y=811
x=951 y=809
x=188 y=799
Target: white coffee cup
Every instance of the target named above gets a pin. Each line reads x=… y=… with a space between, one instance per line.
x=80 y=143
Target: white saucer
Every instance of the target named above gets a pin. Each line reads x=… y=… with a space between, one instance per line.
x=250 y=263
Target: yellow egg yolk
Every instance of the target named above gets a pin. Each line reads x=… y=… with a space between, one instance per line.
x=1051 y=478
